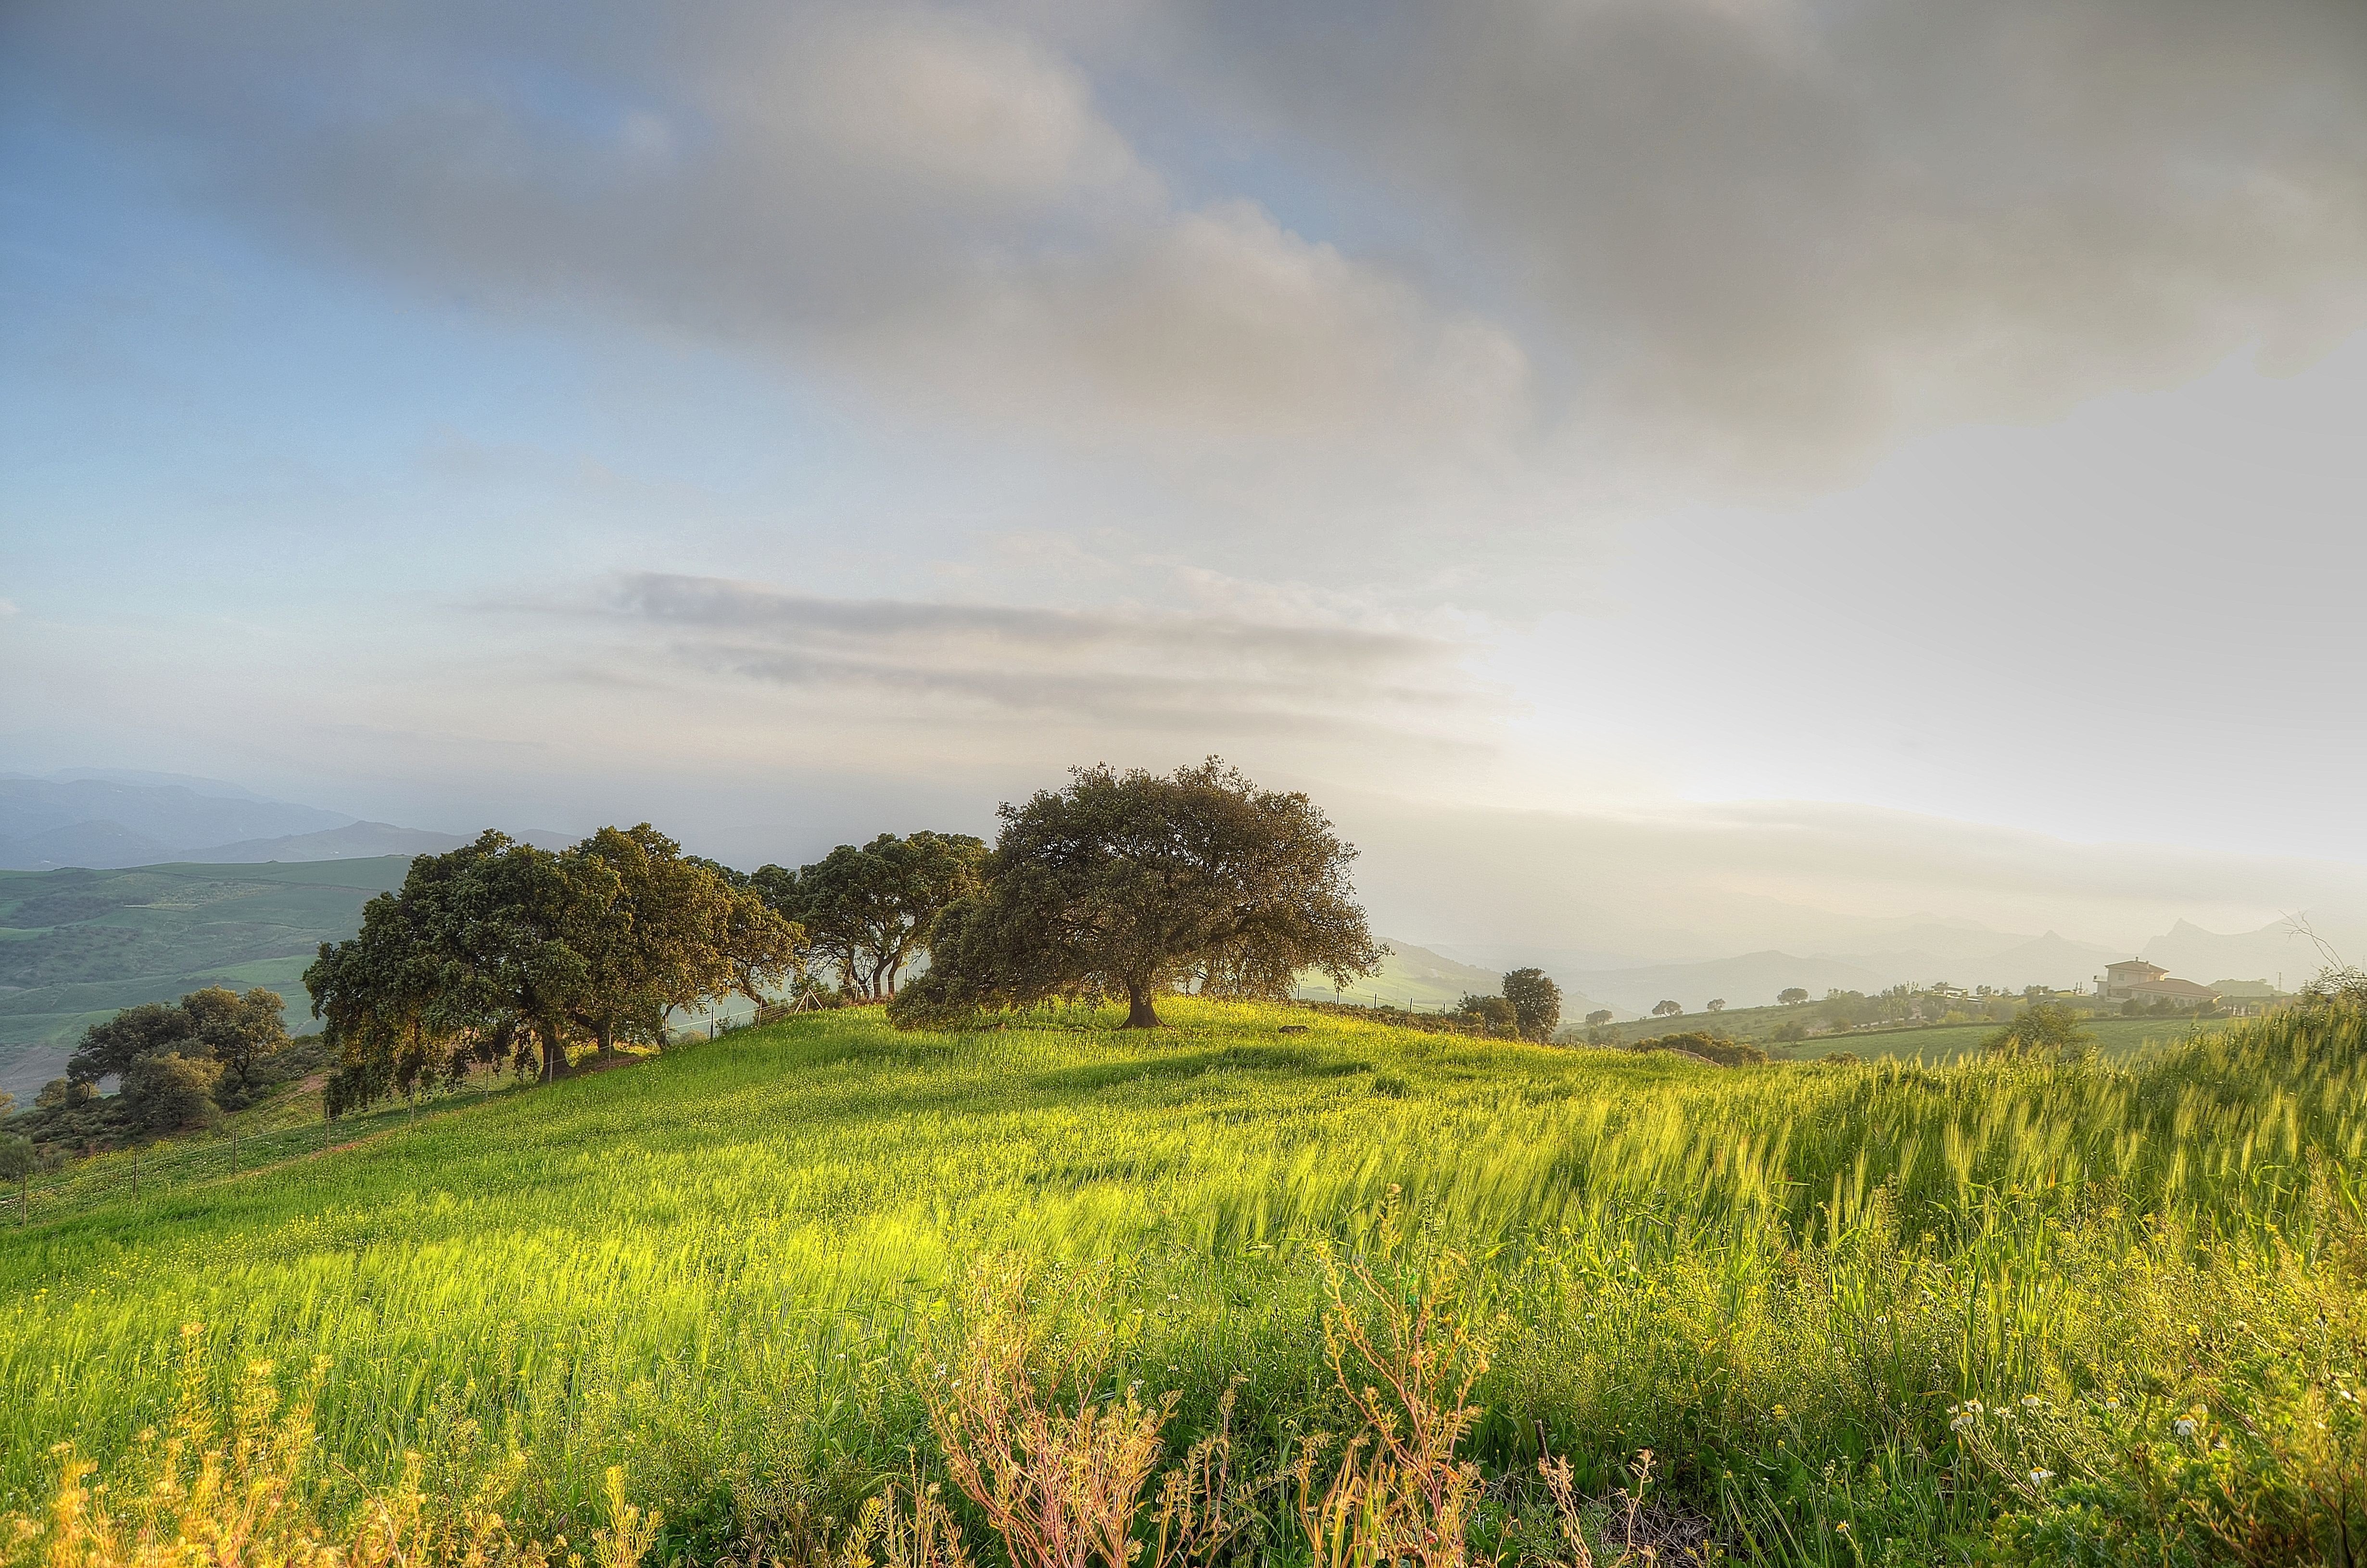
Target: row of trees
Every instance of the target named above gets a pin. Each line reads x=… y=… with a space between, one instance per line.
x=1529 y=1005
x=867 y=912
x=176 y=1063
x=500 y=953
x=504 y=954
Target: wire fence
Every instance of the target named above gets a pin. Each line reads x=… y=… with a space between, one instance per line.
x=152 y=1168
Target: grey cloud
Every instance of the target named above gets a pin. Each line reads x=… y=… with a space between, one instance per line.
x=1774 y=232
x=715 y=601
x=1557 y=259
x=928 y=201
x=1147 y=668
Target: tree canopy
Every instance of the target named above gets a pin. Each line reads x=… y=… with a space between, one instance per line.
x=499 y=951
x=1536 y=1002
x=868 y=911
x=1495 y=1014
x=2048 y=1029
x=179 y=1062
x=1130 y=883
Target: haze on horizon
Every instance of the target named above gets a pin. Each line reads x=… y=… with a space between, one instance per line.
x=1716 y=466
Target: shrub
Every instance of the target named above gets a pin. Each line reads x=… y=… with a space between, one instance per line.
x=1716 y=1048
x=1494 y=1014
x=2045 y=1029
x=169 y=1090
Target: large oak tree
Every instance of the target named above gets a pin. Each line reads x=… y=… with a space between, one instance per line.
x=1127 y=884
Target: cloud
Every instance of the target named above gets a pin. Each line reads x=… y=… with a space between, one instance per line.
x=1768 y=236
x=927 y=202
x=1133 y=671
x=1373 y=281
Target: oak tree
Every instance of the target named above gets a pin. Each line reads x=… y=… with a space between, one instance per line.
x=1127 y=883
x=868 y=910
x=1536 y=1001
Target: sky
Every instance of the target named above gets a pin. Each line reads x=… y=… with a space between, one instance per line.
x=1693 y=467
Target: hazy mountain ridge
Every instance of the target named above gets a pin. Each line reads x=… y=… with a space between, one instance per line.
x=114 y=820
x=105 y=823
x=354 y=841
x=2192 y=952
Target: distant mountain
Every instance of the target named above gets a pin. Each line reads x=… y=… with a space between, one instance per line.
x=2192 y=954
x=98 y=844
x=86 y=942
x=2050 y=960
x=106 y=823
x=354 y=841
x=1421 y=963
x=1930 y=950
x=222 y=788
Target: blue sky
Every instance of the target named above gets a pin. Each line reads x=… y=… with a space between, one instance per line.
x=781 y=420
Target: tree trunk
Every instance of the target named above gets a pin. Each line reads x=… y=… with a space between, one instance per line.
x=554 y=1058
x=608 y=1039
x=1139 y=1014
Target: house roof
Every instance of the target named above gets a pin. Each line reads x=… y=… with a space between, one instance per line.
x=2131 y=966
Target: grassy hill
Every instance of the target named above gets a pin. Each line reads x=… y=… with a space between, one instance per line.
x=729 y=1271
x=77 y=945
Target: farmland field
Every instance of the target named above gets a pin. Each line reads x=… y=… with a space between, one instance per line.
x=716 y=1270
x=2119 y=1038
x=77 y=945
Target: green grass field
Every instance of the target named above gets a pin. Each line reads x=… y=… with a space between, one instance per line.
x=2122 y=1039
x=716 y=1268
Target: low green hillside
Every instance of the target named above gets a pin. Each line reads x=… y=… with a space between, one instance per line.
x=724 y=1270
x=2120 y=1038
x=77 y=945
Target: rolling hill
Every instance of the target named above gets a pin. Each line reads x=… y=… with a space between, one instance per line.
x=75 y=945
x=734 y=1271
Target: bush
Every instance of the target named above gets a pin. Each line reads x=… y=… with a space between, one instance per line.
x=1715 y=1048
x=1494 y=1014
x=2047 y=1029
x=169 y=1090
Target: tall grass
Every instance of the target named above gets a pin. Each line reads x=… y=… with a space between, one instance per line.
x=715 y=1271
